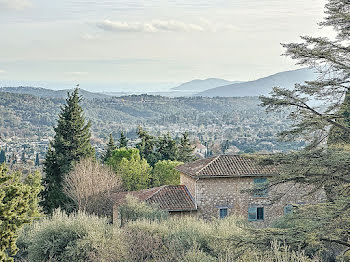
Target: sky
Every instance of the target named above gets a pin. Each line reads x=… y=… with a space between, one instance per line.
x=113 y=45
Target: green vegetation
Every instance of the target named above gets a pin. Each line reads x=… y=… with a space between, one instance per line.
x=110 y=148
x=71 y=143
x=239 y=120
x=164 y=173
x=75 y=237
x=18 y=206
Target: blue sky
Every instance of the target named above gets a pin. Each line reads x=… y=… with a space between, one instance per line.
x=148 y=44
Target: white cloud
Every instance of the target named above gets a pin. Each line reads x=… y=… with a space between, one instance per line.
x=2 y=71
x=14 y=4
x=150 y=27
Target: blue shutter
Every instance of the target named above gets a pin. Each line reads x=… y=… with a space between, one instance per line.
x=288 y=209
x=223 y=212
x=252 y=214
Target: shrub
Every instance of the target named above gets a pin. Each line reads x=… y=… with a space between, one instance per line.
x=75 y=237
x=134 y=210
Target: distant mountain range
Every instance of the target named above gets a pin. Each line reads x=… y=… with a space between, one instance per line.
x=210 y=87
x=261 y=86
x=43 y=92
x=198 y=85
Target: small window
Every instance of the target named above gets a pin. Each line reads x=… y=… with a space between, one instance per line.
x=223 y=212
x=260 y=184
x=260 y=213
x=255 y=213
x=288 y=209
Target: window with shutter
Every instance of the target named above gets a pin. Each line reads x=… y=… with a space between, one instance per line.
x=260 y=184
x=288 y=209
x=252 y=214
x=255 y=213
x=223 y=212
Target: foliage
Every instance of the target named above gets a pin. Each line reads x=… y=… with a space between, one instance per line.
x=134 y=171
x=237 y=119
x=147 y=146
x=18 y=206
x=123 y=141
x=120 y=153
x=2 y=157
x=134 y=209
x=167 y=148
x=71 y=143
x=110 y=148
x=319 y=105
x=186 y=149
x=74 y=237
x=164 y=173
x=90 y=185
x=320 y=109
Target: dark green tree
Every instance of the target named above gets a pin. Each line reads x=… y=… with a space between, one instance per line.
x=147 y=146
x=2 y=157
x=110 y=148
x=71 y=143
x=167 y=148
x=18 y=206
x=37 y=160
x=186 y=149
x=123 y=141
x=23 y=157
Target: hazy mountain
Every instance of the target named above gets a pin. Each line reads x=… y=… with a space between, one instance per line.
x=198 y=85
x=43 y=92
x=261 y=86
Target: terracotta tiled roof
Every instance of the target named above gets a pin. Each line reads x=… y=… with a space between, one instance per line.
x=171 y=198
x=226 y=166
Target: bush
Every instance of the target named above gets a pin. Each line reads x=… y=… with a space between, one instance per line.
x=75 y=237
x=134 y=210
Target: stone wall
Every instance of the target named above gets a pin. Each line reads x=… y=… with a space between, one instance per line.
x=215 y=193
x=190 y=183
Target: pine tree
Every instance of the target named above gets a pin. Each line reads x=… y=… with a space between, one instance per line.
x=110 y=148
x=18 y=206
x=185 y=149
x=71 y=143
x=147 y=146
x=320 y=166
x=167 y=148
x=123 y=141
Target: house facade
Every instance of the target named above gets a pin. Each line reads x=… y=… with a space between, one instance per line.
x=224 y=185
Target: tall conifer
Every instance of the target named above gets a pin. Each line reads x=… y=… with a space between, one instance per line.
x=71 y=143
x=123 y=141
x=110 y=148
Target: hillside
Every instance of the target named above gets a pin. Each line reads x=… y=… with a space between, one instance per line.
x=43 y=92
x=261 y=86
x=210 y=120
x=198 y=85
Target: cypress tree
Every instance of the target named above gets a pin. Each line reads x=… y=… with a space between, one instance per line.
x=123 y=141
x=2 y=157
x=110 y=148
x=37 y=161
x=71 y=143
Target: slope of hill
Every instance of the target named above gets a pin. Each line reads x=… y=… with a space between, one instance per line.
x=261 y=86
x=211 y=120
x=43 y=92
x=198 y=85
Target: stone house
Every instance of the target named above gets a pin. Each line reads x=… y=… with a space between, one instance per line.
x=220 y=186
